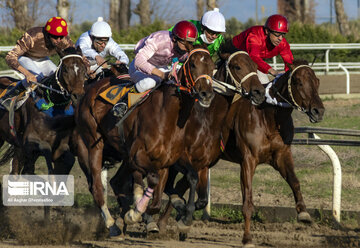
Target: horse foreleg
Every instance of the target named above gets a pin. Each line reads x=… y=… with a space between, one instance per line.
x=247 y=172
x=284 y=163
x=97 y=190
x=134 y=216
x=155 y=206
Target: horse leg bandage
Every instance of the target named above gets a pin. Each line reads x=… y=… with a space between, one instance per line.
x=143 y=203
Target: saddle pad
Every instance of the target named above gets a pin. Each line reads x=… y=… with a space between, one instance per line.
x=114 y=93
x=12 y=85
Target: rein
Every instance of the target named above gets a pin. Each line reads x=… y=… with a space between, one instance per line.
x=294 y=104
x=57 y=72
x=186 y=69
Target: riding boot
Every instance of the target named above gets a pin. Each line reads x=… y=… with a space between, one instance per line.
x=121 y=107
x=6 y=99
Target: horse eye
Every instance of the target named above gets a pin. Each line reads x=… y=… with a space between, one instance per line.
x=236 y=67
x=192 y=65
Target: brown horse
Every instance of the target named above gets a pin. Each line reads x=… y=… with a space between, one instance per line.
x=38 y=133
x=153 y=136
x=263 y=134
x=203 y=132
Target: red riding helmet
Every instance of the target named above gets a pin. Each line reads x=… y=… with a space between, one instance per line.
x=185 y=30
x=57 y=26
x=277 y=23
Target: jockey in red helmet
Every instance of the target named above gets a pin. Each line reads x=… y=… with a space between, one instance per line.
x=30 y=56
x=155 y=53
x=264 y=42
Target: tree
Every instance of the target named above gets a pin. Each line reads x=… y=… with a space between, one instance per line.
x=62 y=8
x=199 y=8
x=211 y=4
x=125 y=14
x=143 y=11
x=297 y=10
x=19 y=12
x=114 y=15
x=341 y=18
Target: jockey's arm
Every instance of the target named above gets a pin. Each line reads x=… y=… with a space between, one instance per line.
x=101 y=61
x=158 y=73
x=28 y=75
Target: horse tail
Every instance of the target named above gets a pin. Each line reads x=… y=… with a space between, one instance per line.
x=7 y=155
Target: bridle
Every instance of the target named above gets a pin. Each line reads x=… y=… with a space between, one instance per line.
x=57 y=72
x=238 y=85
x=293 y=103
x=190 y=82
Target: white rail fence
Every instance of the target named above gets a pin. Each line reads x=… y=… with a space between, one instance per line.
x=320 y=66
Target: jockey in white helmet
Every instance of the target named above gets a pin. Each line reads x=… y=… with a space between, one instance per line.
x=97 y=43
x=210 y=30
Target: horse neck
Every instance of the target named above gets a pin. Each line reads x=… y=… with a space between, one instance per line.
x=53 y=96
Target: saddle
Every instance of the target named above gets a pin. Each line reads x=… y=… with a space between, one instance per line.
x=21 y=98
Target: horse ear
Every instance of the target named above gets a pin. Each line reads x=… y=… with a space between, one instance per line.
x=78 y=50
x=189 y=46
x=224 y=56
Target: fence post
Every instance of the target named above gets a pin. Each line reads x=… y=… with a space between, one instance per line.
x=337 y=177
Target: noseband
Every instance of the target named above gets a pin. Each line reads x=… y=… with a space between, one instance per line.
x=57 y=72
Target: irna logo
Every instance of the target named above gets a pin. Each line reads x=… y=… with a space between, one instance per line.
x=37 y=188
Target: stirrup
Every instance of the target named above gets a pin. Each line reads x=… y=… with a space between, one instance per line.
x=119 y=109
x=6 y=103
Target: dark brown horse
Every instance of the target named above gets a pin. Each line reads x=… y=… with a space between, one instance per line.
x=153 y=133
x=263 y=134
x=38 y=133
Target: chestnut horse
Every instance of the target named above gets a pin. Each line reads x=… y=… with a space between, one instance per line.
x=236 y=74
x=153 y=137
x=263 y=134
x=36 y=132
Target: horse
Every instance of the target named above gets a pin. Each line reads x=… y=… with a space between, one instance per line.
x=236 y=74
x=33 y=132
x=150 y=138
x=263 y=134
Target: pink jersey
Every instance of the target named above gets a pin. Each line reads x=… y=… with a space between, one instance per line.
x=155 y=50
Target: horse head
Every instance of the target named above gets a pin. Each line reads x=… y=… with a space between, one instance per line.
x=238 y=69
x=196 y=74
x=303 y=90
x=71 y=71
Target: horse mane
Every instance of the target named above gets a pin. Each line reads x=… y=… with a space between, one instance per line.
x=298 y=62
x=70 y=50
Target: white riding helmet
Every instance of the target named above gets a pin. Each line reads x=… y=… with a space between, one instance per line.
x=100 y=28
x=214 y=20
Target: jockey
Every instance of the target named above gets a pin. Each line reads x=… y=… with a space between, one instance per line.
x=30 y=56
x=210 y=30
x=97 y=43
x=264 y=42
x=155 y=52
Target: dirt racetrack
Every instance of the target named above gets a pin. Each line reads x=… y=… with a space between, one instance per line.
x=76 y=227
x=84 y=228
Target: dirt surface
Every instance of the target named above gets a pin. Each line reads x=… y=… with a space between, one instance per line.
x=75 y=227
x=84 y=228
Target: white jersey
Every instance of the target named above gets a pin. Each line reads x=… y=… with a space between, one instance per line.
x=111 y=48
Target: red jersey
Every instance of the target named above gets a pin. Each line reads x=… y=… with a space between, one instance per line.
x=255 y=42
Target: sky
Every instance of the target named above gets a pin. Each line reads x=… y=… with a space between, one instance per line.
x=240 y=9
x=173 y=11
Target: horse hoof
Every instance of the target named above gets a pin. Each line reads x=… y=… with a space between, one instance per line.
x=249 y=245
x=132 y=217
x=152 y=227
x=304 y=217
x=182 y=227
x=114 y=231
